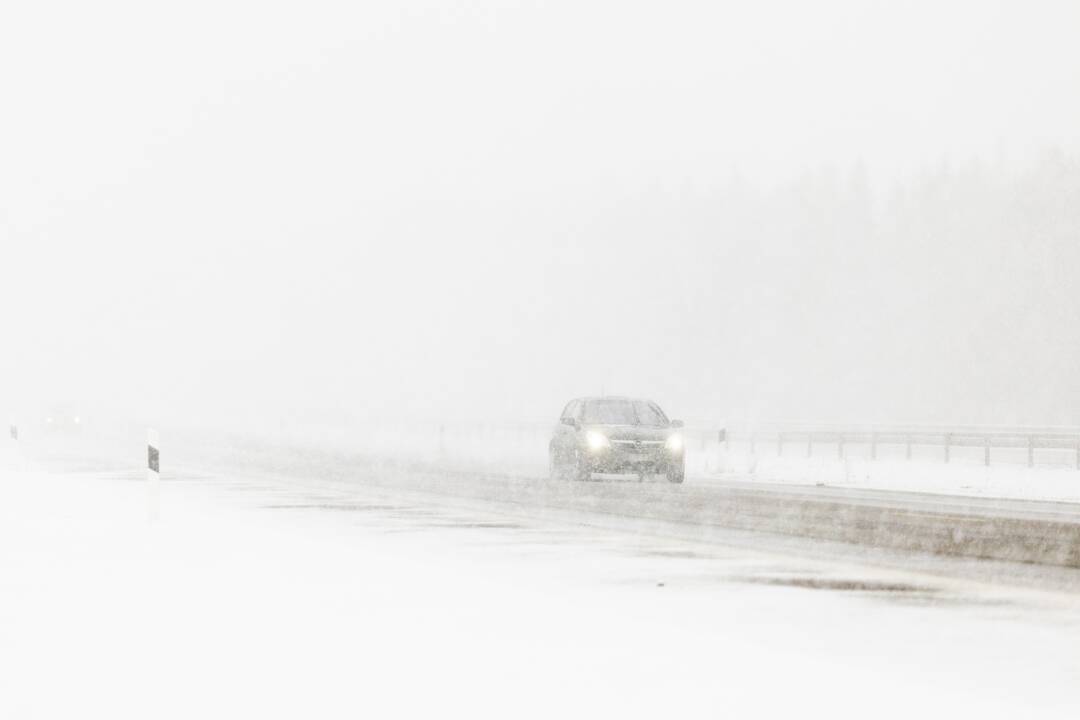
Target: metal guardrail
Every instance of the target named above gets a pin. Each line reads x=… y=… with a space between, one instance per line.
x=946 y=438
x=772 y=438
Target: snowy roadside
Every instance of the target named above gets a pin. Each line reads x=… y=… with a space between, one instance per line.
x=1013 y=482
x=225 y=608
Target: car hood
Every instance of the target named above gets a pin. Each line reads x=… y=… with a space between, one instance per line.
x=633 y=432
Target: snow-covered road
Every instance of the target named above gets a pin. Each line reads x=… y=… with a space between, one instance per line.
x=249 y=598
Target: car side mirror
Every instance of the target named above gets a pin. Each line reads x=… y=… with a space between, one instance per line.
x=569 y=421
x=676 y=423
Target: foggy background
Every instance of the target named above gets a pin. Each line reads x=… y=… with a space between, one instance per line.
x=838 y=211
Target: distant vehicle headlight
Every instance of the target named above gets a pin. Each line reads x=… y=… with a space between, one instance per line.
x=596 y=440
x=674 y=443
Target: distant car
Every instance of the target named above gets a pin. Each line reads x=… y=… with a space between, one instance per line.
x=62 y=421
x=616 y=435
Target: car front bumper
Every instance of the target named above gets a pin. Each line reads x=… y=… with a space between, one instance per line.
x=618 y=461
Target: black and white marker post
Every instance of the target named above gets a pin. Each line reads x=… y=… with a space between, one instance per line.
x=153 y=472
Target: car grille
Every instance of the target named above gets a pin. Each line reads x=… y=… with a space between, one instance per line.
x=636 y=445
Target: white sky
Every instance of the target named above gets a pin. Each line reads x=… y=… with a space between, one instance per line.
x=403 y=206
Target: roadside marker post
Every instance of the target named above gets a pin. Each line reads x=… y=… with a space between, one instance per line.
x=12 y=446
x=153 y=472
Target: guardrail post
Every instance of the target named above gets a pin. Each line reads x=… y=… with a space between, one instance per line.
x=809 y=444
x=986 y=451
x=948 y=440
x=1031 y=451
x=873 y=446
x=779 y=444
x=753 y=445
x=908 y=447
x=840 y=447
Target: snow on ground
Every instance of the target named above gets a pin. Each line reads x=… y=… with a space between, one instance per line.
x=1012 y=481
x=245 y=599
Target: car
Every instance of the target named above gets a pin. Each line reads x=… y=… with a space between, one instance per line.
x=62 y=420
x=616 y=435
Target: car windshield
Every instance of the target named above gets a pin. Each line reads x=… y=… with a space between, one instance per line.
x=649 y=414
x=613 y=411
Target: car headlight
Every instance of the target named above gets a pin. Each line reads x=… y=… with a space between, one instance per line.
x=596 y=440
x=674 y=443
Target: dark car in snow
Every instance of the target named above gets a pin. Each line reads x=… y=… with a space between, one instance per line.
x=616 y=435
